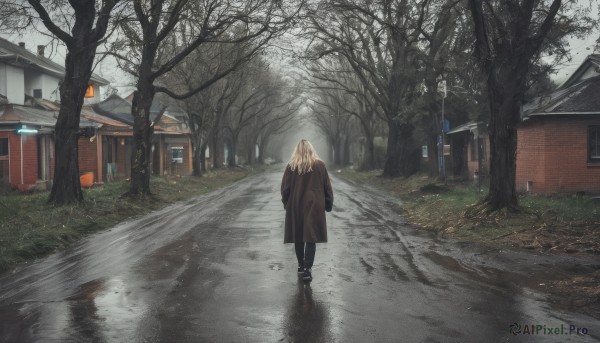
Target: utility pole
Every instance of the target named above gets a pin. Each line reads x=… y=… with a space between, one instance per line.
x=442 y=166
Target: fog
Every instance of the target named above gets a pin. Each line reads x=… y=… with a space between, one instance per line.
x=282 y=146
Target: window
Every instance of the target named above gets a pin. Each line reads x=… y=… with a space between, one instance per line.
x=37 y=93
x=89 y=92
x=594 y=144
x=177 y=154
x=3 y=158
x=3 y=147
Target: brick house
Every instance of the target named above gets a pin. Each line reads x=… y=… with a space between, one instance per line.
x=558 y=138
x=171 y=144
x=29 y=89
x=558 y=147
x=469 y=151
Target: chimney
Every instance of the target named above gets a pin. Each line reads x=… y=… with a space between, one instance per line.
x=41 y=50
x=22 y=45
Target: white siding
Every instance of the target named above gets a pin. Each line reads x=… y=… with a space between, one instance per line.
x=33 y=80
x=47 y=83
x=3 y=79
x=15 y=85
x=51 y=88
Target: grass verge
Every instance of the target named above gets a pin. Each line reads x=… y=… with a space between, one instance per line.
x=30 y=228
x=563 y=224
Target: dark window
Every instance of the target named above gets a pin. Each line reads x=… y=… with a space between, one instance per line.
x=594 y=144
x=3 y=158
x=37 y=93
x=3 y=147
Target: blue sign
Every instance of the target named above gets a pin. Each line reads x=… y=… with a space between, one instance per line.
x=445 y=126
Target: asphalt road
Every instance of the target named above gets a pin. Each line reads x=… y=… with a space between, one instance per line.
x=214 y=269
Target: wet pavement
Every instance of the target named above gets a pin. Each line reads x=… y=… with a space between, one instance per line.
x=214 y=269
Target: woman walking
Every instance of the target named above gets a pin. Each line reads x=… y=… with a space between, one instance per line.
x=306 y=194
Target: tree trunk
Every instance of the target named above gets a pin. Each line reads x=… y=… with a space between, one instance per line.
x=203 y=166
x=251 y=149
x=337 y=156
x=369 y=159
x=332 y=152
x=142 y=139
x=346 y=159
x=261 y=150
x=402 y=153
x=66 y=187
x=216 y=149
x=196 y=158
x=433 y=155
x=231 y=157
x=503 y=148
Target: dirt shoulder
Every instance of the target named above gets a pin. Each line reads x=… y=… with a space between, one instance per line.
x=565 y=225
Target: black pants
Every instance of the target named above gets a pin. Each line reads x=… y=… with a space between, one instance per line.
x=305 y=252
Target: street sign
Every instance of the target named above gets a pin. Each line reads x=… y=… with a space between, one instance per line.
x=445 y=125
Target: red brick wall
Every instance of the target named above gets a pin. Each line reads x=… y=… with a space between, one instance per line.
x=30 y=160
x=531 y=154
x=88 y=160
x=556 y=157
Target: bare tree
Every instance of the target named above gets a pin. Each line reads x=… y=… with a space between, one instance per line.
x=168 y=32
x=329 y=115
x=510 y=36
x=329 y=75
x=80 y=25
x=261 y=101
x=384 y=44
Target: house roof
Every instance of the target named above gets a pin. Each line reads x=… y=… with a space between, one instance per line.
x=579 y=99
x=18 y=56
x=17 y=114
x=89 y=114
x=590 y=67
x=467 y=127
x=118 y=108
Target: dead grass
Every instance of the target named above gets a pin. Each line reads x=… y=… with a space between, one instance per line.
x=30 y=228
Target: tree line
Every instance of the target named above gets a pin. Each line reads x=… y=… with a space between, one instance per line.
x=380 y=63
x=149 y=39
x=372 y=68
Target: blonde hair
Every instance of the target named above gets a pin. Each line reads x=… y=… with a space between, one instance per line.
x=303 y=158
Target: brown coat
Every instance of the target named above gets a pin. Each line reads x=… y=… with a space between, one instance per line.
x=305 y=198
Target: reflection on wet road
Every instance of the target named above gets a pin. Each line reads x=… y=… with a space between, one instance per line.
x=214 y=269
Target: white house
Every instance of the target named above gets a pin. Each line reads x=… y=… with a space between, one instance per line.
x=24 y=73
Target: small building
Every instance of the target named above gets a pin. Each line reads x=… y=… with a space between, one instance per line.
x=27 y=146
x=29 y=95
x=558 y=147
x=469 y=150
x=171 y=144
x=558 y=138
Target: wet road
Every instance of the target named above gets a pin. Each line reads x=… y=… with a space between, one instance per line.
x=214 y=269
